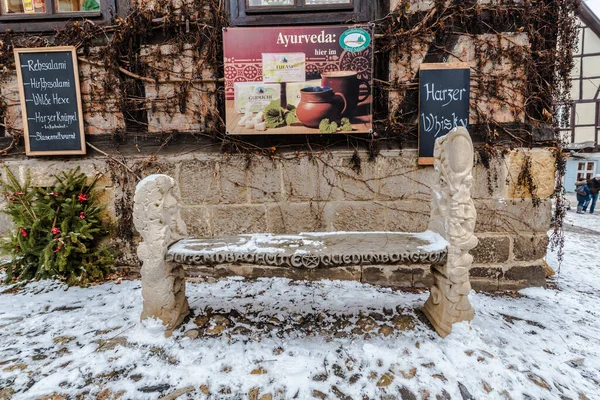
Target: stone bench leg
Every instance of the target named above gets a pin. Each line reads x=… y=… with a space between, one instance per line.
x=156 y=217
x=453 y=216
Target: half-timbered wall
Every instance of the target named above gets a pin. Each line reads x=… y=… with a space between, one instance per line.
x=582 y=128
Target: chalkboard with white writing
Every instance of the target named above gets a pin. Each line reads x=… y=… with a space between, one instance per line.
x=50 y=100
x=443 y=103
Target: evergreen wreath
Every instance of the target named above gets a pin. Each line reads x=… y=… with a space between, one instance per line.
x=58 y=232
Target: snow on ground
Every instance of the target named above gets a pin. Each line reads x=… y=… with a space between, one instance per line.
x=308 y=340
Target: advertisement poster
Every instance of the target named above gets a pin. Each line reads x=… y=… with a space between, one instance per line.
x=299 y=80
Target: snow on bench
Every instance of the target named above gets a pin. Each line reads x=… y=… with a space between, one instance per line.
x=313 y=250
x=165 y=248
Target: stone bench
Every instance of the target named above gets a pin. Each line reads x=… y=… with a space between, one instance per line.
x=168 y=256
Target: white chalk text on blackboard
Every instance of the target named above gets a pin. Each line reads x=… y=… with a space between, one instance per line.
x=441 y=124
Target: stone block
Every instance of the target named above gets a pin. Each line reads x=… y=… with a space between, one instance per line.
x=491 y=250
x=413 y=6
x=103 y=123
x=197 y=220
x=519 y=277
x=99 y=90
x=498 y=70
x=357 y=186
x=327 y=181
x=418 y=182
x=484 y=278
x=42 y=173
x=261 y=271
x=9 y=91
x=388 y=275
x=6 y=223
x=177 y=62
x=403 y=69
x=407 y=215
x=237 y=219
x=183 y=104
x=233 y=180
x=358 y=216
x=512 y=216
x=480 y=284
x=161 y=166
x=401 y=178
x=542 y=171
x=106 y=197
x=299 y=179
x=265 y=181
x=489 y=182
x=530 y=248
x=174 y=7
x=296 y=217
x=199 y=183
x=167 y=112
x=422 y=278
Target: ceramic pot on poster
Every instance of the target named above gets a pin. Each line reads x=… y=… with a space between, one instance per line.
x=348 y=84
x=316 y=104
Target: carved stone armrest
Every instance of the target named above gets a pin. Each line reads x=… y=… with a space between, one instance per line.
x=453 y=216
x=156 y=217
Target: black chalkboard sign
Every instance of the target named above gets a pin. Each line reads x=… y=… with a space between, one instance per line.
x=443 y=103
x=50 y=100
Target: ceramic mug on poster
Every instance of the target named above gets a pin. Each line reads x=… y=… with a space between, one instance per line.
x=348 y=84
x=317 y=104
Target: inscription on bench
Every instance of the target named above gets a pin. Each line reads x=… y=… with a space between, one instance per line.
x=309 y=260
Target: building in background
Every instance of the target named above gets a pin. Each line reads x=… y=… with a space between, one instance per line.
x=583 y=128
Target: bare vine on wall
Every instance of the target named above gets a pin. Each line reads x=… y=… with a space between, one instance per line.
x=520 y=52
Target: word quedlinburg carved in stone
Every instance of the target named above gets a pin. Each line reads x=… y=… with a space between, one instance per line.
x=156 y=217
x=453 y=216
x=308 y=260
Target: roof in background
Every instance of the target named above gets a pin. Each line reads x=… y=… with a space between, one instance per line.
x=589 y=18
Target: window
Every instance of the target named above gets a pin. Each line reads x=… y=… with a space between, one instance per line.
x=586 y=170
x=296 y=5
x=285 y=12
x=46 y=15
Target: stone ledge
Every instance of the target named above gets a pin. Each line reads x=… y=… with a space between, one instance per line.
x=263 y=271
x=520 y=277
x=482 y=278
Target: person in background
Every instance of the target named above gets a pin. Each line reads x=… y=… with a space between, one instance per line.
x=594 y=186
x=583 y=195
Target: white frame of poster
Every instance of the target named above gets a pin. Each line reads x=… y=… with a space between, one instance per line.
x=306 y=131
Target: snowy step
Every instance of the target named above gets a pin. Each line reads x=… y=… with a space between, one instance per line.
x=313 y=250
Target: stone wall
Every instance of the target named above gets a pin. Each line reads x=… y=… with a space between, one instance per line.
x=292 y=192
x=228 y=195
